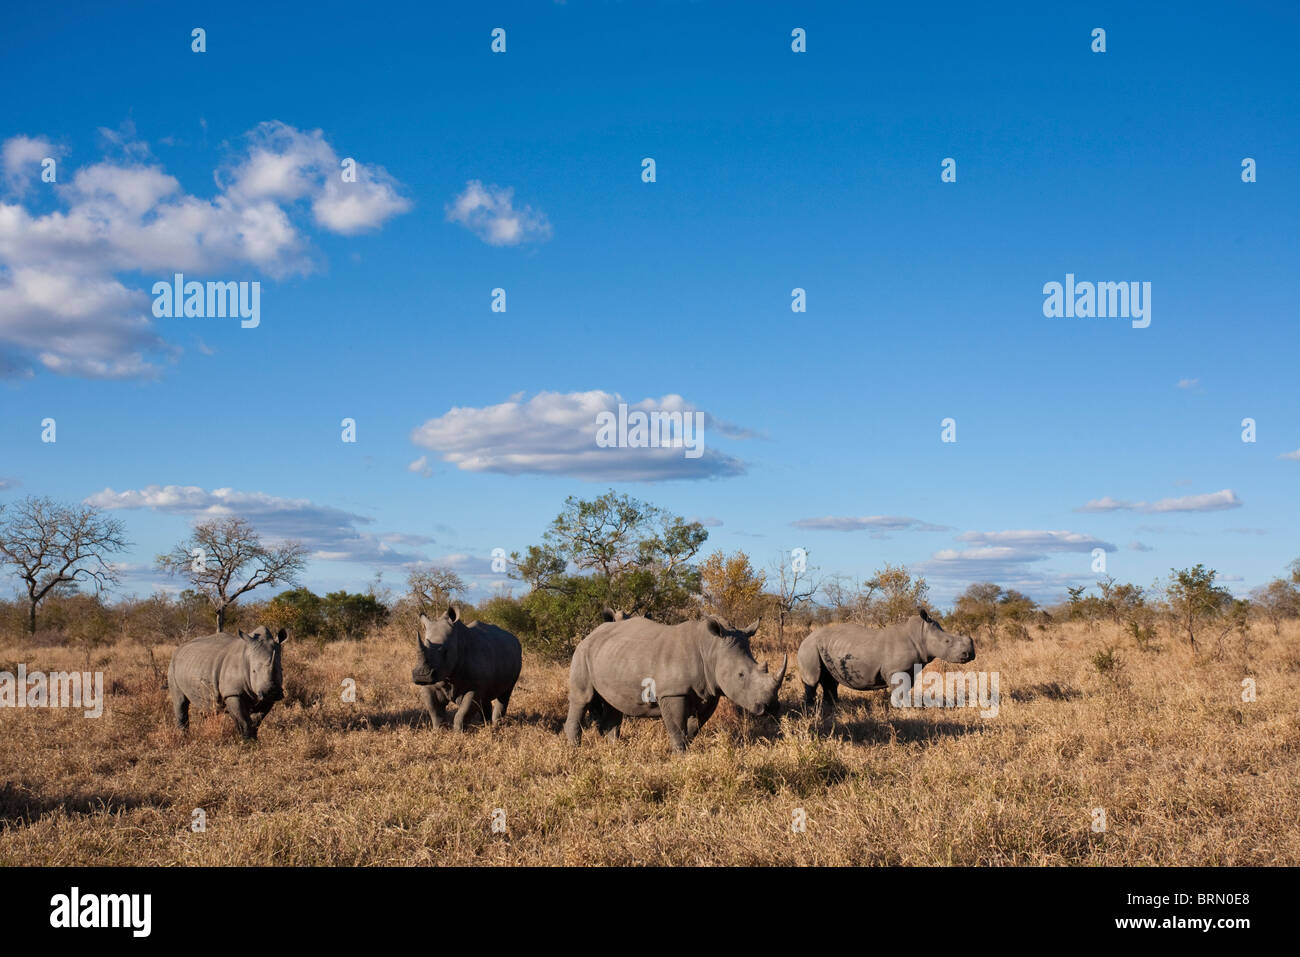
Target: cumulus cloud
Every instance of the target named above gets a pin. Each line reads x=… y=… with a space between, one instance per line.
x=876 y=523
x=65 y=305
x=284 y=165
x=1291 y=456
x=489 y=212
x=330 y=534
x=1008 y=557
x=21 y=158
x=1209 y=502
x=555 y=433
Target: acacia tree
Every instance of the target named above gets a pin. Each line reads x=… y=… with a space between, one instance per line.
x=52 y=545
x=1194 y=598
x=225 y=558
x=627 y=554
x=434 y=588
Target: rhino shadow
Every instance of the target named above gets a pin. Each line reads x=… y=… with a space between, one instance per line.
x=877 y=723
x=20 y=808
x=1052 y=690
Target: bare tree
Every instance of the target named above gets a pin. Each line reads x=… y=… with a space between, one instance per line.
x=795 y=584
x=225 y=558
x=434 y=587
x=53 y=545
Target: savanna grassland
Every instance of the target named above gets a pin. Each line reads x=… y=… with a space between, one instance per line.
x=1186 y=772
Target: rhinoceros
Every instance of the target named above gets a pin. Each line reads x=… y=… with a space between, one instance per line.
x=646 y=669
x=241 y=671
x=868 y=658
x=468 y=664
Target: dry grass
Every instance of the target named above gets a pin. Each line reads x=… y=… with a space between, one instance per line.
x=1186 y=772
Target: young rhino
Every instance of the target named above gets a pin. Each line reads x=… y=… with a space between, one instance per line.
x=469 y=664
x=243 y=672
x=868 y=658
x=639 y=667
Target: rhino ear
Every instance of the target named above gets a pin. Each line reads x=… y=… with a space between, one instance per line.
x=607 y=614
x=242 y=635
x=452 y=613
x=751 y=629
x=283 y=636
x=716 y=625
x=925 y=615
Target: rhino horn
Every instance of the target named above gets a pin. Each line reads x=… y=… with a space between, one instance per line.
x=780 y=675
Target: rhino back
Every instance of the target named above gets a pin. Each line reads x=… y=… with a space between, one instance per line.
x=621 y=655
x=864 y=658
x=490 y=659
x=211 y=666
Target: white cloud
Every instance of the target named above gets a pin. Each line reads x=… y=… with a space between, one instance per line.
x=1291 y=456
x=554 y=433
x=64 y=305
x=878 y=523
x=1051 y=541
x=284 y=165
x=420 y=467
x=1209 y=502
x=489 y=212
x=1189 y=383
x=330 y=534
x=21 y=158
x=1008 y=557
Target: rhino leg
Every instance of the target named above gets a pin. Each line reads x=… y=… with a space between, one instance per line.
x=581 y=695
x=608 y=718
x=675 y=711
x=811 y=671
x=467 y=701
x=830 y=692
x=499 y=705
x=434 y=704
x=238 y=709
x=703 y=712
x=180 y=707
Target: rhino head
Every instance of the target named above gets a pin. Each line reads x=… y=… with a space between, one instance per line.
x=439 y=646
x=937 y=643
x=741 y=678
x=263 y=660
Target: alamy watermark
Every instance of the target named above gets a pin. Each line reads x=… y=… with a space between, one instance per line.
x=651 y=430
x=58 y=689
x=1098 y=300
x=212 y=300
x=946 y=689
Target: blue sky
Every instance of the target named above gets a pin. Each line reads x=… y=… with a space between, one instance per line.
x=775 y=170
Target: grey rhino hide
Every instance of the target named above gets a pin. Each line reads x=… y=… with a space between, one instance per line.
x=868 y=658
x=242 y=672
x=469 y=664
x=678 y=672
